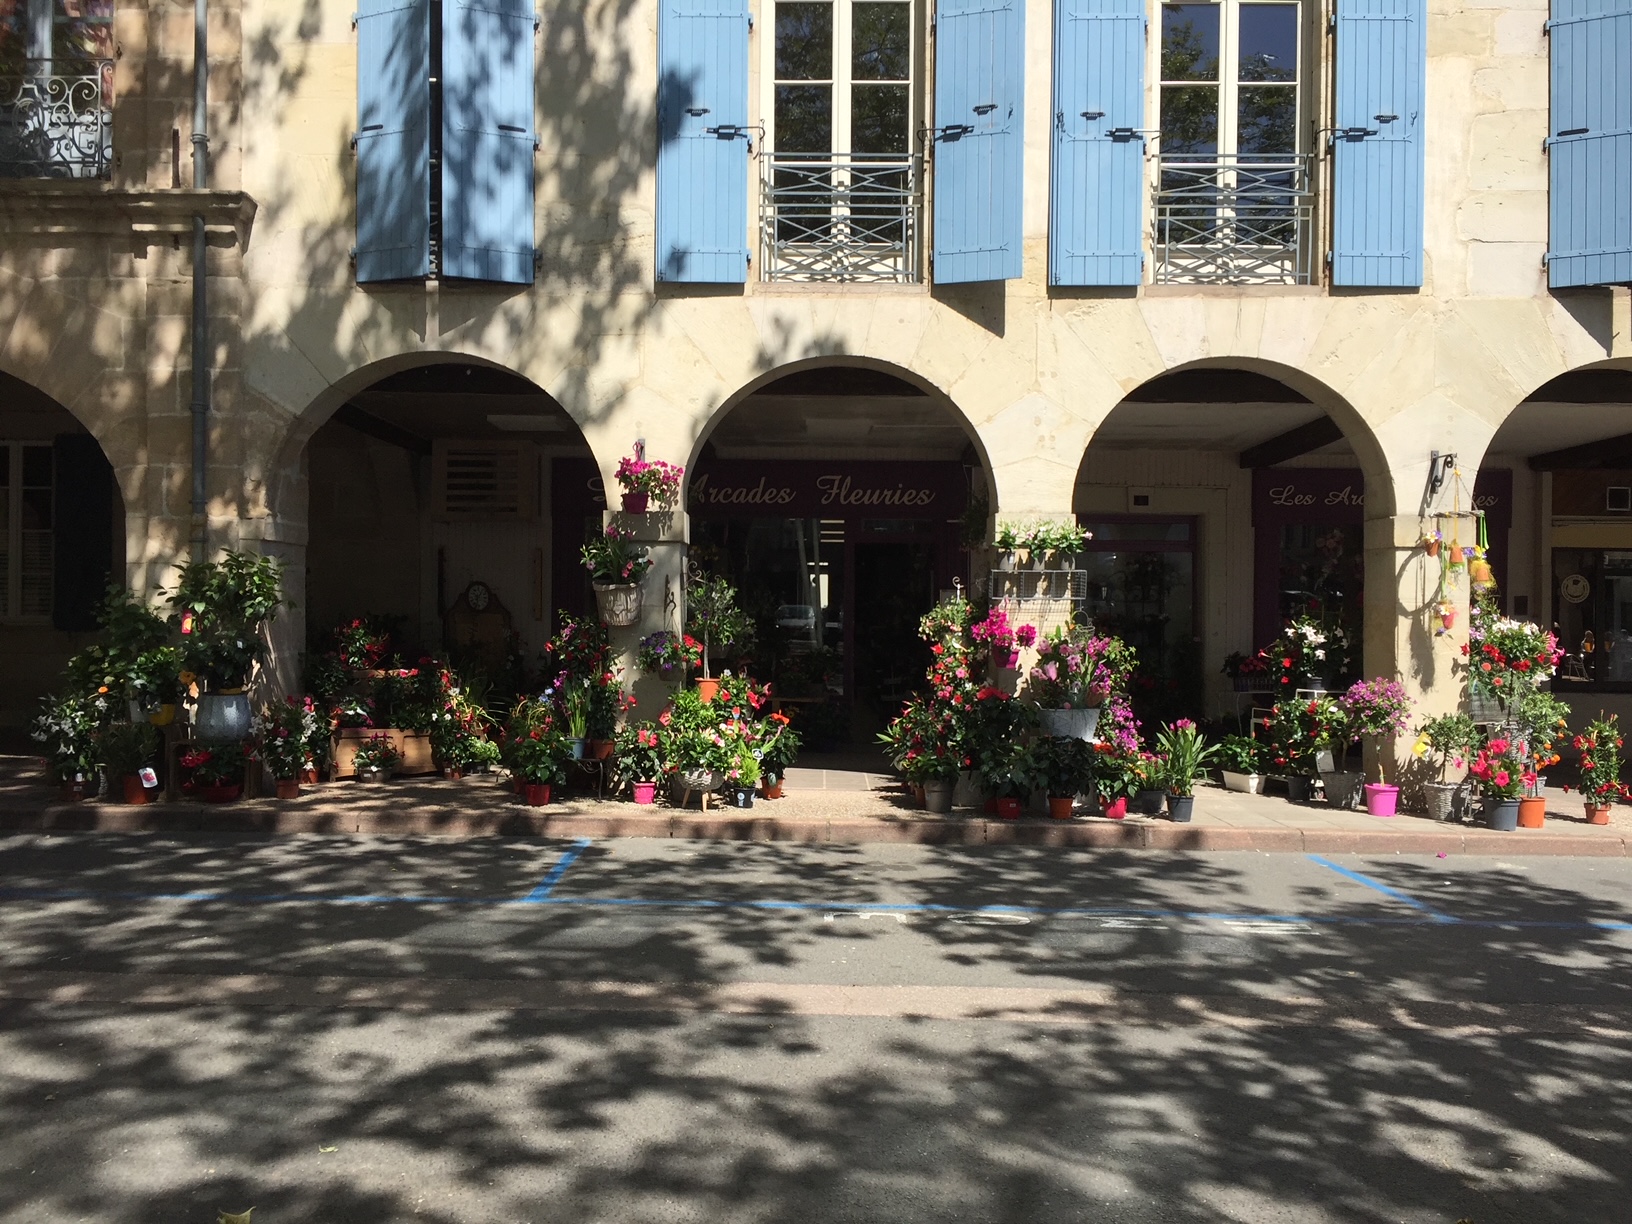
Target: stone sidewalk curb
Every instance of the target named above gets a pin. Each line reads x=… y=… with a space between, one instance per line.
x=266 y=818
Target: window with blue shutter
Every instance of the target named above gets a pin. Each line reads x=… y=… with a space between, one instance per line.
x=1589 y=148
x=1377 y=147
x=1097 y=200
x=487 y=140
x=702 y=145
x=393 y=139
x=980 y=60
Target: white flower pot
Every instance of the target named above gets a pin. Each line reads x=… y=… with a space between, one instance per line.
x=1245 y=784
x=617 y=602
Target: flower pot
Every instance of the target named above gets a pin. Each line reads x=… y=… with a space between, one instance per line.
x=600 y=749
x=917 y=792
x=635 y=503
x=1009 y=660
x=1180 y=808
x=134 y=792
x=938 y=795
x=669 y=675
x=536 y=794
x=770 y=786
x=1148 y=802
x=577 y=749
x=76 y=791
x=1381 y=799
x=1298 y=788
x=373 y=777
x=1008 y=808
x=967 y=791
x=1243 y=784
x=1431 y=547
x=164 y=715
x=1342 y=787
x=1114 y=809
x=1501 y=814
x=1483 y=708
x=700 y=779
x=222 y=718
x=1441 y=799
x=288 y=788
x=1598 y=814
x=645 y=793
x=1069 y=724
x=707 y=690
x=1532 y=812
x=453 y=773
x=217 y=792
x=308 y=776
x=1061 y=807
x=617 y=602
x=742 y=796
x=989 y=807
x=1007 y=562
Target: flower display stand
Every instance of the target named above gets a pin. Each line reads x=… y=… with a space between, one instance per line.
x=415 y=747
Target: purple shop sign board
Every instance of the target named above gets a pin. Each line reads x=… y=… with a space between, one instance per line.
x=821 y=489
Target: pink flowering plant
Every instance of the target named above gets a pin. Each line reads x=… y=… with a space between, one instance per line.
x=1501 y=770
x=614 y=557
x=1002 y=638
x=658 y=480
x=1376 y=710
x=1185 y=755
x=286 y=735
x=1078 y=669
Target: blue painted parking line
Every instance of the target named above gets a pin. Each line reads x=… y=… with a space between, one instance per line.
x=1379 y=886
x=553 y=876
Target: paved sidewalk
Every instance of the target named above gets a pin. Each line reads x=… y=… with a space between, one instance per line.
x=820 y=805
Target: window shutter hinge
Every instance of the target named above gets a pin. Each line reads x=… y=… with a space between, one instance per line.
x=538 y=259
x=352 y=254
x=354 y=21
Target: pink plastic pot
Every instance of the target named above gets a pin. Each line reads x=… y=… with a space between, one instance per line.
x=1114 y=809
x=1382 y=799
x=645 y=792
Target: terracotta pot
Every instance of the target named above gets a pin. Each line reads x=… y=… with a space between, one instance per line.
x=1060 y=806
x=1598 y=815
x=707 y=690
x=1431 y=547
x=645 y=793
x=1114 y=809
x=135 y=792
x=308 y=776
x=537 y=794
x=770 y=789
x=1008 y=808
x=599 y=749
x=1532 y=812
x=918 y=793
x=453 y=773
x=288 y=788
x=76 y=792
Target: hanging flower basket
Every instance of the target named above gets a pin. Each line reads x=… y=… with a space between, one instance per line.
x=618 y=603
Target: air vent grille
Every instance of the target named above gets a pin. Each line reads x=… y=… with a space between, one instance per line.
x=487 y=481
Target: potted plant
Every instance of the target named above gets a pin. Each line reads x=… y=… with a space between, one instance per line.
x=1240 y=763
x=715 y=621
x=286 y=732
x=1448 y=738
x=1540 y=721
x=1335 y=733
x=66 y=727
x=1076 y=670
x=647 y=482
x=1500 y=771
x=126 y=751
x=1003 y=640
x=668 y=655
x=1506 y=658
x=778 y=752
x=1600 y=748
x=1007 y=770
x=222 y=608
x=215 y=774
x=538 y=750
x=641 y=760
x=1185 y=755
x=1064 y=768
x=1377 y=711
x=743 y=775
x=577 y=704
x=915 y=743
x=376 y=759
x=1294 y=736
x=616 y=564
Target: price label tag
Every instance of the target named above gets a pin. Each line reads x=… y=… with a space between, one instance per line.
x=148 y=777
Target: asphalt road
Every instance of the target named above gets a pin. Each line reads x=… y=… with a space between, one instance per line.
x=343 y=1030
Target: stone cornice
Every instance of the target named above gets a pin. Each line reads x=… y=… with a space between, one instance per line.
x=36 y=207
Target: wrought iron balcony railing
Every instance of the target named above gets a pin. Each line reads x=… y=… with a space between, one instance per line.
x=1244 y=220
x=55 y=123
x=853 y=217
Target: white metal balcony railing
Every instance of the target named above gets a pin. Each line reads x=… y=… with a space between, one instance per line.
x=853 y=217
x=55 y=124
x=1244 y=220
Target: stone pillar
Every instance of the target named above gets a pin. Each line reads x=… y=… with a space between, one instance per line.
x=662 y=599
x=1402 y=639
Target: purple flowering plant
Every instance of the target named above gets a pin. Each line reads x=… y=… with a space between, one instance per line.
x=1374 y=709
x=1077 y=669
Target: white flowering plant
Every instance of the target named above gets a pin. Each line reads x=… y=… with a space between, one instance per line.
x=67 y=726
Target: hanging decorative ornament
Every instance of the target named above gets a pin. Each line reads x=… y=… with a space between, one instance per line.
x=1479 y=571
x=1457 y=559
x=1445 y=610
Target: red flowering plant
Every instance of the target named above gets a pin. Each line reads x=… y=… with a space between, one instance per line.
x=916 y=746
x=376 y=754
x=666 y=650
x=286 y=733
x=1507 y=657
x=460 y=724
x=658 y=480
x=534 y=745
x=641 y=757
x=217 y=765
x=1600 y=748
x=586 y=681
x=1299 y=728
x=361 y=645
x=1501 y=769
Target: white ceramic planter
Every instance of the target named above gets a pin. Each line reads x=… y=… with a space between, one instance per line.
x=1246 y=784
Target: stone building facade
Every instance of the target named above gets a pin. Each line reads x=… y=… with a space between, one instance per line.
x=335 y=405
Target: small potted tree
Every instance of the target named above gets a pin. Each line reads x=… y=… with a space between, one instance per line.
x=539 y=752
x=1065 y=769
x=641 y=760
x=1600 y=748
x=222 y=608
x=66 y=728
x=1442 y=742
x=1240 y=763
x=1500 y=772
x=1377 y=711
x=713 y=618
x=1185 y=755
x=1007 y=771
x=125 y=750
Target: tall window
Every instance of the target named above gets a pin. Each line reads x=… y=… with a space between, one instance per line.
x=56 y=88
x=26 y=557
x=1230 y=79
x=65 y=37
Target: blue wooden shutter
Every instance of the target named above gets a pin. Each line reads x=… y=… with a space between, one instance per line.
x=1377 y=149
x=702 y=141
x=393 y=139
x=1590 y=147
x=1097 y=201
x=980 y=74
x=487 y=140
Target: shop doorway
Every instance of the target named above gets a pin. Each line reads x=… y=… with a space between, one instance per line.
x=894 y=586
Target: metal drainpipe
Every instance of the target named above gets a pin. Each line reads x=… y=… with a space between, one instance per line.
x=201 y=336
